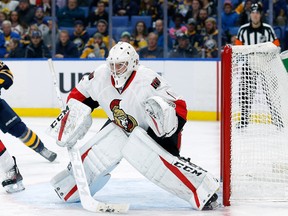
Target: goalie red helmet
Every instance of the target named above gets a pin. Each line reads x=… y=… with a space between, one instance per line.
x=122 y=61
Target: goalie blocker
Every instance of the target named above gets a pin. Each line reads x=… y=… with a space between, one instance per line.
x=105 y=150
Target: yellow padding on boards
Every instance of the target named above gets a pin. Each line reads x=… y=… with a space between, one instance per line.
x=256 y=118
x=99 y=113
x=50 y=112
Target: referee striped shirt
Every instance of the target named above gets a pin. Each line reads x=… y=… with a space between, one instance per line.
x=247 y=35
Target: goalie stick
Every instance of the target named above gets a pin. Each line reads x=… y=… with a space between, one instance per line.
x=87 y=201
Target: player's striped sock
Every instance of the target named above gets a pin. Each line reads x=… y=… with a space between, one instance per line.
x=31 y=139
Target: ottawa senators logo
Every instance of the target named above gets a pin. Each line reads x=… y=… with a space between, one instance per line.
x=123 y=120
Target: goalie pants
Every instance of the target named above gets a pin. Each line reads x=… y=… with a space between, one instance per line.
x=171 y=144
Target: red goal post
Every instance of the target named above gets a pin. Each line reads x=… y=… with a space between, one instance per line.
x=225 y=122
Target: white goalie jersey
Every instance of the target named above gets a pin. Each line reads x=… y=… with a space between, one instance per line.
x=148 y=119
x=126 y=107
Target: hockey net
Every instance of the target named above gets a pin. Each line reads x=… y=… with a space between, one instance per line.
x=254 y=124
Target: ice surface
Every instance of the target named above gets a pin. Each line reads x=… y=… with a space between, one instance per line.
x=200 y=142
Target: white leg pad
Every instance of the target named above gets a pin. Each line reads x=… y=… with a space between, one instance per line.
x=65 y=186
x=103 y=155
x=106 y=151
x=173 y=174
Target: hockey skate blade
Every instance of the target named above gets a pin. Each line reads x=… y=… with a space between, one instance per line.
x=96 y=206
x=14 y=188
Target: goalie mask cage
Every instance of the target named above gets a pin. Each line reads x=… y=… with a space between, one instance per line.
x=254 y=124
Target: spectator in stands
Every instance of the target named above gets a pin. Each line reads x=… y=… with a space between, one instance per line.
x=61 y=3
x=3 y=17
x=16 y=50
x=94 y=3
x=210 y=6
x=125 y=37
x=193 y=12
x=98 y=14
x=65 y=48
x=47 y=7
x=229 y=19
x=26 y=12
x=139 y=36
x=126 y=7
x=8 y=34
x=2 y=45
x=148 y=8
x=8 y=5
x=183 y=6
x=95 y=48
x=80 y=36
x=210 y=49
x=159 y=31
x=48 y=37
x=179 y=26
x=194 y=38
x=69 y=14
x=184 y=49
x=26 y=37
x=211 y=38
x=15 y=23
x=40 y=21
x=152 y=50
x=279 y=11
x=244 y=16
x=203 y=15
x=170 y=10
x=37 y=48
x=102 y=27
x=159 y=6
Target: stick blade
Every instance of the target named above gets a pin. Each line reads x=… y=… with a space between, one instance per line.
x=93 y=205
x=112 y=208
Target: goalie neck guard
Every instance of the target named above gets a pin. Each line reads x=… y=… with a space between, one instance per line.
x=122 y=61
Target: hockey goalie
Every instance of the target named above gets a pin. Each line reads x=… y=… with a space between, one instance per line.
x=146 y=118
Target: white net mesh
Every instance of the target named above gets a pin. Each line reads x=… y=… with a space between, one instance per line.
x=259 y=124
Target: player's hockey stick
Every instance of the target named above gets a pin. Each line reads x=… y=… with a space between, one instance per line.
x=87 y=201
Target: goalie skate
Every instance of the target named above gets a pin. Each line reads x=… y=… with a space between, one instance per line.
x=13 y=182
x=212 y=203
x=47 y=154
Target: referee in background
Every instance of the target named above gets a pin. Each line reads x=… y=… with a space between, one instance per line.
x=255 y=32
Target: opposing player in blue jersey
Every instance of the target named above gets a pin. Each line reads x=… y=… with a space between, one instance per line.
x=11 y=123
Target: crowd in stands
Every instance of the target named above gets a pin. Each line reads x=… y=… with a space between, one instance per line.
x=82 y=27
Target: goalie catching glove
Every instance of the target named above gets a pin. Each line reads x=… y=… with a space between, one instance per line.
x=161 y=116
x=72 y=124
